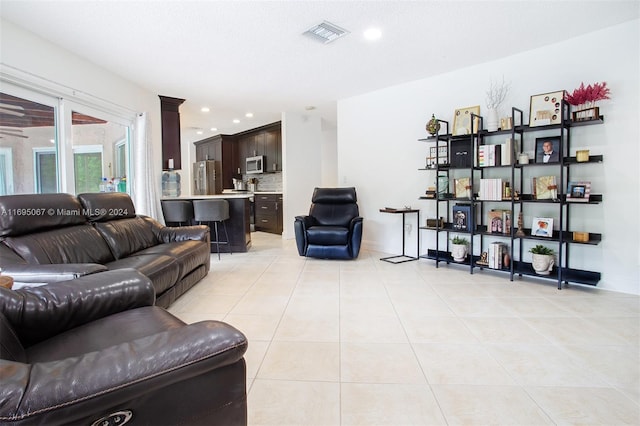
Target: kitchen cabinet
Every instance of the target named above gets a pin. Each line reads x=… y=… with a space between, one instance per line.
x=268 y=213
x=170 y=118
x=222 y=148
x=265 y=140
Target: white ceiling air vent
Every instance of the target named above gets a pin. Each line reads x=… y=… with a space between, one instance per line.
x=326 y=32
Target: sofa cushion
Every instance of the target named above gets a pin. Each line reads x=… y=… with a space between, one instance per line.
x=105 y=206
x=162 y=270
x=28 y=213
x=127 y=236
x=71 y=244
x=188 y=254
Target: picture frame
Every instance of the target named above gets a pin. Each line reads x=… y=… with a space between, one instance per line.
x=461 y=217
x=439 y=154
x=546 y=109
x=578 y=191
x=462 y=188
x=462 y=120
x=542 y=227
x=542 y=148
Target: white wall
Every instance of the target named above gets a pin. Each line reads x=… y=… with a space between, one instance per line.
x=380 y=155
x=29 y=54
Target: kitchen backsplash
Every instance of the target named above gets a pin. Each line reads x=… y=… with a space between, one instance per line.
x=267 y=181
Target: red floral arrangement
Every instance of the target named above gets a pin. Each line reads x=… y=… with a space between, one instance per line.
x=588 y=95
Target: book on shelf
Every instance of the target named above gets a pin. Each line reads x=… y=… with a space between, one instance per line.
x=578 y=191
x=495 y=155
x=495 y=255
x=491 y=189
x=545 y=188
x=462 y=217
x=499 y=221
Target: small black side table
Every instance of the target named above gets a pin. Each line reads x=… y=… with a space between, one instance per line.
x=403 y=257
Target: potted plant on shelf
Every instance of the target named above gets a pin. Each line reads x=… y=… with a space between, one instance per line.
x=542 y=259
x=584 y=100
x=459 y=248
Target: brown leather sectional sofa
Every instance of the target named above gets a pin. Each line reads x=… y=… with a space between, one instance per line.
x=57 y=237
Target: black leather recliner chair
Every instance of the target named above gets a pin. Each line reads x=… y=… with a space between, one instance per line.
x=95 y=351
x=333 y=227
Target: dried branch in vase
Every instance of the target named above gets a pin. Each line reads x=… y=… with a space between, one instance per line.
x=497 y=93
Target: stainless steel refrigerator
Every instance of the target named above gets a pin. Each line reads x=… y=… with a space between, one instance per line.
x=207 y=177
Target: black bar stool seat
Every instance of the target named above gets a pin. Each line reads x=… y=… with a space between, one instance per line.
x=177 y=211
x=213 y=211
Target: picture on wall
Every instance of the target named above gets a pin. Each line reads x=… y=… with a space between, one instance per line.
x=462 y=120
x=546 y=109
x=548 y=150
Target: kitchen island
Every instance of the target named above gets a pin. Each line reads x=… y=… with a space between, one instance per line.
x=238 y=224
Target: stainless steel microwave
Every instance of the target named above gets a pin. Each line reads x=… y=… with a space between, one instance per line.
x=255 y=164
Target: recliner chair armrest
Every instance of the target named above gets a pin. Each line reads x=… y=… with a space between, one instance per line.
x=306 y=221
x=116 y=375
x=48 y=273
x=38 y=313
x=170 y=234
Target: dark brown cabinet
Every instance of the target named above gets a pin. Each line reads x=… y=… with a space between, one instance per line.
x=268 y=214
x=265 y=140
x=221 y=148
x=170 y=117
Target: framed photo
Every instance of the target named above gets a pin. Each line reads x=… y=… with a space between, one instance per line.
x=578 y=192
x=548 y=150
x=462 y=120
x=546 y=109
x=462 y=188
x=439 y=154
x=542 y=227
x=462 y=219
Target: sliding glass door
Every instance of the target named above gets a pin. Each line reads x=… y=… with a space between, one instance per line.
x=49 y=144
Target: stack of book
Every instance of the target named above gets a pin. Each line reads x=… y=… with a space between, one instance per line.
x=491 y=189
x=495 y=155
x=430 y=192
x=496 y=252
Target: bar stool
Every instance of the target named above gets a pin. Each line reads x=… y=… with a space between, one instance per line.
x=177 y=211
x=216 y=211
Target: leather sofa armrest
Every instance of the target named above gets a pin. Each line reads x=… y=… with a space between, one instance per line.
x=38 y=313
x=170 y=234
x=116 y=375
x=48 y=273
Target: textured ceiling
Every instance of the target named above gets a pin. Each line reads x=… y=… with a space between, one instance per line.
x=250 y=56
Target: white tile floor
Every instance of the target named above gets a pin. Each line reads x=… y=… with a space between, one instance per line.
x=366 y=342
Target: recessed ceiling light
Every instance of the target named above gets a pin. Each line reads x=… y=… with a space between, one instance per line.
x=205 y=109
x=372 y=34
x=236 y=121
x=326 y=32
x=198 y=132
x=214 y=129
x=249 y=115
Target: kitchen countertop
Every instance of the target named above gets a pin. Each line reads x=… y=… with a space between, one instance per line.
x=230 y=194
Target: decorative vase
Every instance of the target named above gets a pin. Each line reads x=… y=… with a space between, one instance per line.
x=433 y=126
x=542 y=263
x=492 y=120
x=459 y=252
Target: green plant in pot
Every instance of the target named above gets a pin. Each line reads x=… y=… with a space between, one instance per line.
x=542 y=259
x=459 y=248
